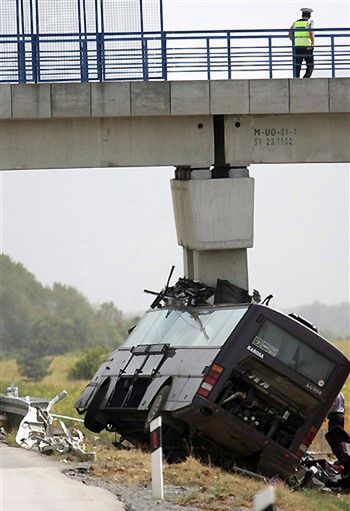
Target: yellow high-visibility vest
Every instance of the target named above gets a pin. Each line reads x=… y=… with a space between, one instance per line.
x=302 y=37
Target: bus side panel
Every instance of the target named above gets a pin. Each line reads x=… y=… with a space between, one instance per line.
x=152 y=390
x=188 y=388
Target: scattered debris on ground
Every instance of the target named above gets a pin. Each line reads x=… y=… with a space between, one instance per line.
x=12 y=390
x=42 y=431
x=319 y=473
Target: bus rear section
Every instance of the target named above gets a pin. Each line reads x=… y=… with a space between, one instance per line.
x=267 y=393
x=236 y=382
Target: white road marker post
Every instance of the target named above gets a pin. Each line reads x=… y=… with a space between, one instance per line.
x=265 y=500
x=157 y=458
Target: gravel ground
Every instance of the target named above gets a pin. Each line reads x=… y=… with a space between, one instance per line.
x=135 y=498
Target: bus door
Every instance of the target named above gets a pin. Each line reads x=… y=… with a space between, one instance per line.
x=136 y=375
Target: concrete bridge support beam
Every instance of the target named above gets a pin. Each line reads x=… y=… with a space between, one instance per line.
x=214 y=223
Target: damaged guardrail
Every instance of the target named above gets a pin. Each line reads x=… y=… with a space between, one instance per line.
x=19 y=405
x=41 y=430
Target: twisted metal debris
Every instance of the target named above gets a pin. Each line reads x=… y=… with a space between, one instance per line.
x=44 y=432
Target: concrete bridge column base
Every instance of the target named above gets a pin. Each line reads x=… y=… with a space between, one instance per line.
x=214 y=223
x=209 y=265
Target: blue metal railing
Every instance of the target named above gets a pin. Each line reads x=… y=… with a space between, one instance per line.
x=103 y=56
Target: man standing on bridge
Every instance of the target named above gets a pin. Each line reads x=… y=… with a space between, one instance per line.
x=303 y=43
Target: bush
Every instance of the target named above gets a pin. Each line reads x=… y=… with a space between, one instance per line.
x=86 y=367
x=32 y=363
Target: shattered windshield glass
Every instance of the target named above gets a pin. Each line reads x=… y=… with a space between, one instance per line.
x=190 y=327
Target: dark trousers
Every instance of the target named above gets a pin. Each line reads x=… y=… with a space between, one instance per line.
x=335 y=419
x=303 y=53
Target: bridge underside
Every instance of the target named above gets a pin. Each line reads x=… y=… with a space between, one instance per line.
x=172 y=141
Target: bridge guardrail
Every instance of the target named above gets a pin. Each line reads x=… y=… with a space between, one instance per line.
x=19 y=405
x=113 y=56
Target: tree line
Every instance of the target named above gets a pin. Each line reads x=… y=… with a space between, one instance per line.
x=49 y=321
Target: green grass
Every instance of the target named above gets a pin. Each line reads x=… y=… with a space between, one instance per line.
x=210 y=488
x=49 y=386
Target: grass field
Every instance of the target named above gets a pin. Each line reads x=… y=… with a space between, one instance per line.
x=211 y=488
x=49 y=386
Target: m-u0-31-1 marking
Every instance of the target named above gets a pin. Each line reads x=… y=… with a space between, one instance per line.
x=274 y=132
x=274 y=136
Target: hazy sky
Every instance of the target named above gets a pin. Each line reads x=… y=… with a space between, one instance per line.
x=110 y=232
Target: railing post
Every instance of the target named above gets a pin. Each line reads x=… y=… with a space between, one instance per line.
x=270 y=57
x=100 y=64
x=37 y=32
x=84 y=67
x=163 y=43
x=294 y=57
x=84 y=71
x=144 y=46
x=332 y=56
x=34 y=43
x=35 y=58
x=164 y=56
x=229 y=72
x=21 y=50
x=208 y=59
x=145 y=59
x=101 y=43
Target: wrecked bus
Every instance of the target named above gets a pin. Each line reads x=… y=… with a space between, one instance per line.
x=242 y=382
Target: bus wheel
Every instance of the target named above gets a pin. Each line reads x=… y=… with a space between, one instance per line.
x=92 y=424
x=175 y=447
x=89 y=420
x=157 y=405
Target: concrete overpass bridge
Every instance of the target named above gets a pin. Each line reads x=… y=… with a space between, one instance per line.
x=211 y=131
x=131 y=109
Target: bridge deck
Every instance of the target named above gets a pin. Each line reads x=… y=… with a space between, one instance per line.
x=198 y=123
x=138 y=99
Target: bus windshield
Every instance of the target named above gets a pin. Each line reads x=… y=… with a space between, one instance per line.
x=294 y=353
x=190 y=327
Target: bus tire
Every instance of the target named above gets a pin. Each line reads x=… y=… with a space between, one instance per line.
x=156 y=407
x=92 y=424
x=89 y=420
x=175 y=447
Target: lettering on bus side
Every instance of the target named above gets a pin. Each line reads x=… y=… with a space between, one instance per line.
x=255 y=351
x=314 y=389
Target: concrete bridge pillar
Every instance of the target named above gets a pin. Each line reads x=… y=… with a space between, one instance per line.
x=214 y=215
